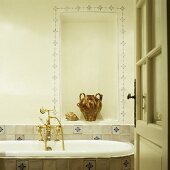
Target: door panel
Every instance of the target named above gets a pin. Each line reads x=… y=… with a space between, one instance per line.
x=151 y=93
x=150 y=155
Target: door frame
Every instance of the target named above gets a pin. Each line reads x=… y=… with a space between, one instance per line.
x=168 y=51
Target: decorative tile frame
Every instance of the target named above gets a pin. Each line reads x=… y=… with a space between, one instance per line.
x=118 y=163
x=121 y=50
x=77 y=132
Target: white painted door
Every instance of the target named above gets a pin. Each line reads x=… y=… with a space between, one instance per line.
x=151 y=86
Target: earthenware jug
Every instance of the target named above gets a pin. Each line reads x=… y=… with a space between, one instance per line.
x=90 y=105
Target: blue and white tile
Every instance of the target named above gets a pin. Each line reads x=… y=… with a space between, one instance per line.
x=116 y=129
x=19 y=137
x=2 y=129
x=89 y=165
x=97 y=137
x=126 y=164
x=22 y=165
x=78 y=129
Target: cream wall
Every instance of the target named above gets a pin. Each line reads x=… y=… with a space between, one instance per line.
x=26 y=50
x=89 y=51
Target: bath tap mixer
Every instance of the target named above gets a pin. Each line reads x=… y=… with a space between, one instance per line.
x=48 y=128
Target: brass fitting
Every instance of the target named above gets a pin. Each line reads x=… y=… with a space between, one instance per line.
x=48 y=128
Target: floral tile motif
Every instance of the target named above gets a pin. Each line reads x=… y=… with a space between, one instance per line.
x=122 y=50
x=97 y=137
x=22 y=165
x=2 y=129
x=89 y=165
x=126 y=164
x=116 y=129
x=78 y=129
x=19 y=137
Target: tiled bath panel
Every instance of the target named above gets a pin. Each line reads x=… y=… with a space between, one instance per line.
x=71 y=132
x=115 y=163
x=123 y=133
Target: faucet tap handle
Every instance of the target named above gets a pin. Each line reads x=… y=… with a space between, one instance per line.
x=42 y=110
x=40 y=132
x=57 y=132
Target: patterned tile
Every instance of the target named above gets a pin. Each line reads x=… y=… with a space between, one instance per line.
x=78 y=129
x=19 y=137
x=22 y=165
x=89 y=165
x=116 y=129
x=2 y=129
x=97 y=137
x=126 y=164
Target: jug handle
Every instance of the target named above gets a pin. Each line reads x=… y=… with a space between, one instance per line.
x=81 y=95
x=100 y=96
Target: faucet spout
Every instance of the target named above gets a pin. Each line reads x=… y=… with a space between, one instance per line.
x=62 y=135
x=47 y=126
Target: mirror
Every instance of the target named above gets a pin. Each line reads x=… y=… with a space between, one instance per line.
x=89 y=61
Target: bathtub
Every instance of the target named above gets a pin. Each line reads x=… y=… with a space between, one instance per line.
x=73 y=149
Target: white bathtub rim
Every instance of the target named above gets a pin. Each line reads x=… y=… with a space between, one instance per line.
x=67 y=153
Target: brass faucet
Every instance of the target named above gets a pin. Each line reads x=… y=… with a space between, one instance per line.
x=48 y=128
